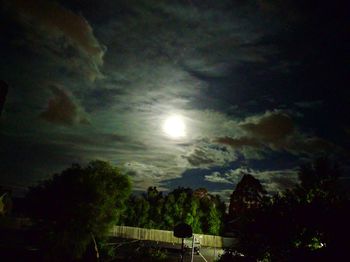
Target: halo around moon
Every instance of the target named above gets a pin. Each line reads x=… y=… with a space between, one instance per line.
x=174 y=127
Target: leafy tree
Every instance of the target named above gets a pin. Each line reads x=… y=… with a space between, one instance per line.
x=179 y=207
x=168 y=212
x=248 y=194
x=137 y=213
x=156 y=202
x=214 y=221
x=307 y=223
x=193 y=215
x=199 y=209
x=77 y=205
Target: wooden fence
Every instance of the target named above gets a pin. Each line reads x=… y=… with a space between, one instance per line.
x=168 y=236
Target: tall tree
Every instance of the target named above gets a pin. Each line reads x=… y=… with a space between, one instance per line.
x=78 y=205
x=248 y=194
x=214 y=220
x=193 y=215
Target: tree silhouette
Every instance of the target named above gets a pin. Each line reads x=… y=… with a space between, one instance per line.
x=77 y=205
x=307 y=223
x=247 y=195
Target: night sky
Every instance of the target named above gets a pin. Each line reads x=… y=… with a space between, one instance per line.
x=260 y=85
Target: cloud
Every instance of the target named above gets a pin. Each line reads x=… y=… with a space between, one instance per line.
x=204 y=154
x=254 y=137
x=216 y=177
x=239 y=142
x=271 y=127
x=62 y=110
x=144 y=175
x=275 y=130
x=232 y=176
x=273 y=180
x=199 y=157
x=63 y=34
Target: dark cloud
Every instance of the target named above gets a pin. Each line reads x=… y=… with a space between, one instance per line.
x=238 y=142
x=61 y=32
x=62 y=110
x=277 y=131
x=271 y=127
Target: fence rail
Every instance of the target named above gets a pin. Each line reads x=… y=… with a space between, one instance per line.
x=168 y=236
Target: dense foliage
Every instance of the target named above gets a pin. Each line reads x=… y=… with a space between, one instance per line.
x=307 y=223
x=77 y=205
x=203 y=211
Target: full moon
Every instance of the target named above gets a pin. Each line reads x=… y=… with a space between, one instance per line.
x=174 y=127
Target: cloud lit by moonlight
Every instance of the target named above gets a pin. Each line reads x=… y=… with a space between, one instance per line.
x=174 y=127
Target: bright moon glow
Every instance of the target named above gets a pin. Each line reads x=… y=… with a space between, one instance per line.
x=174 y=127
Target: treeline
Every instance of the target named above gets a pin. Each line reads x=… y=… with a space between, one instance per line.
x=203 y=211
x=309 y=222
x=73 y=211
